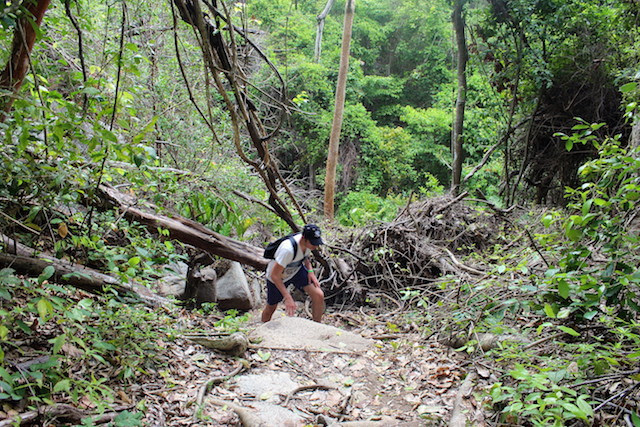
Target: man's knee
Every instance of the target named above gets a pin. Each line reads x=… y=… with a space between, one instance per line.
x=315 y=293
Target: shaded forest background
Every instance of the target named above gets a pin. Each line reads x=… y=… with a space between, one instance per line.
x=137 y=97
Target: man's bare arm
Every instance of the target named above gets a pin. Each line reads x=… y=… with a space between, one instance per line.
x=276 y=278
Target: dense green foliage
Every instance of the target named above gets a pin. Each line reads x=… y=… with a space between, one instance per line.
x=546 y=83
x=395 y=134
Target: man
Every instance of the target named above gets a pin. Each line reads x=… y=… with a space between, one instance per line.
x=288 y=268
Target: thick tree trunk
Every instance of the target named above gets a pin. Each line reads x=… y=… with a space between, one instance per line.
x=25 y=261
x=24 y=37
x=334 y=138
x=458 y=124
x=188 y=231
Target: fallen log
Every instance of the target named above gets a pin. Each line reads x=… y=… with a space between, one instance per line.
x=23 y=260
x=59 y=412
x=186 y=230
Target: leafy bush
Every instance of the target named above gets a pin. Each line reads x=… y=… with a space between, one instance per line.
x=359 y=208
x=77 y=330
x=597 y=271
x=538 y=398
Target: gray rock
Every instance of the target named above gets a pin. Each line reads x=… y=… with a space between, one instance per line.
x=268 y=388
x=173 y=284
x=232 y=289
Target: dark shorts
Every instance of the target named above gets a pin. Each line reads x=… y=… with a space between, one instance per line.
x=300 y=280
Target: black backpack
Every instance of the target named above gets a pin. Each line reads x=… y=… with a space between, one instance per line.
x=270 y=250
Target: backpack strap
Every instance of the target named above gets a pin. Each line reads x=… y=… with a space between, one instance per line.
x=295 y=246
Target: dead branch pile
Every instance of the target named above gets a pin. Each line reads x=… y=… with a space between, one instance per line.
x=421 y=245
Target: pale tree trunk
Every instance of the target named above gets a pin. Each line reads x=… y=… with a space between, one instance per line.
x=458 y=123
x=320 y=29
x=24 y=37
x=334 y=138
x=634 y=141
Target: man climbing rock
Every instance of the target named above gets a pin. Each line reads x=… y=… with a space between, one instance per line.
x=291 y=265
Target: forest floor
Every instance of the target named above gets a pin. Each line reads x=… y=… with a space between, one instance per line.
x=403 y=379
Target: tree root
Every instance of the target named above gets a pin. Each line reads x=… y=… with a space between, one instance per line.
x=305 y=388
x=458 y=419
x=246 y=416
x=235 y=344
x=206 y=388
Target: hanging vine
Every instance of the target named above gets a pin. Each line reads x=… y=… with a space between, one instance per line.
x=255 y=114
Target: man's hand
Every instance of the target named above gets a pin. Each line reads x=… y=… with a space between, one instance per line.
x=314 y=280
x=289 y=305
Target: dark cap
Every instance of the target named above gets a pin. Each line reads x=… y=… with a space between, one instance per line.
x=312 y=233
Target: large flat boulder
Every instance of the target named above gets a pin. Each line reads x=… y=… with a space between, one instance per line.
x=296 y=333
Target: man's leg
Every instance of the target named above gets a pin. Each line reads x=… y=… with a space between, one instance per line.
x=268 y=311
x=317 y=302
x=273 y=298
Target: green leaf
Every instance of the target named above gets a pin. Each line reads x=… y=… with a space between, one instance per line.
x=46 y=274
x=58 y=342
x=628 y=87
x=6 y=387
x=62 y=385
x=573 y=234
x=520 y=372
x=563 y=288
x=590 y=314
x=569 y=331
x=5 y=375
x=108 y=135
x=584 y=406
x=635 y=419
x=134 y=261
x=549 y=311
x=4 y=332
x=574 y=410
x=45 y=309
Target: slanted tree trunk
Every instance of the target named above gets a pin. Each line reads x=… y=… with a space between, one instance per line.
x=458 y=124
x=187 y=231
x=320 y=30
x=334 y=139
x=24 y=37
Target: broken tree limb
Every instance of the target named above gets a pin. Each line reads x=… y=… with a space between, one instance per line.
x=187 y=231
x=23 y=259
x=461 y=265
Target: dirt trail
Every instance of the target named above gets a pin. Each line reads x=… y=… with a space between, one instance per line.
x=398 y=379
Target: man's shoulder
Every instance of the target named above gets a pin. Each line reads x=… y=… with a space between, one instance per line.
x=285 y=246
